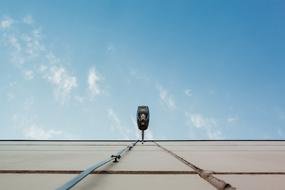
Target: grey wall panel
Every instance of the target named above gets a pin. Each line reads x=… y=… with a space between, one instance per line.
x=258 y=182
x=75 y=157
x=151 y=158
x=104 y=182
x=60 y=160
x=218 y=156
x=233 y=156
x=232 y=161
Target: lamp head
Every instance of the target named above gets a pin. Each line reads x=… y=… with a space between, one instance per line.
x=143 y=117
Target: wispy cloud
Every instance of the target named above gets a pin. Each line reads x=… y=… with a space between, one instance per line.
x=30 y=54
x=14 y=43
x=28 y=19
x=36 y=132
x=149 y=135
x=10 y=91
x=129 y=131
x=33 y=44
x=188 y=92
x=166 y=98
x=232 y=119
x=29 y=126
x=206 y=125
x=93 y=82
x=214 y=134
x=6 y=23
x=29 y=74
x=137 y=133
x=134 y=74
x=199 y=121
x=63 y=82
x=117 y=126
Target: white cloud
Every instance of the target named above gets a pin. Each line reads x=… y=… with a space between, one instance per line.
x=10 y=91
x=30 y=54
x=28 y=124
x=6 y=23
x=207 y=126
x=42 y=68
x=93 y=80
x=166 y=98
x=63 y=81
x=188 y=92
x=232 y=119
x=117 y=126
x=29 y=74
x=36 y=132
x=28 y=20
x=138 y=78
x=14 y=42
x=33 y=43
x=214 y=134
x=199 y=121
x=131 y=132
x=25 y=46
x=52 y=59
x=149 y=135
x=137 y=133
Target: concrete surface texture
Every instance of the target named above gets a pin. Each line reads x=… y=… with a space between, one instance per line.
x=197 y=165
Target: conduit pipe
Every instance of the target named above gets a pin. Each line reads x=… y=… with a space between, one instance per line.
x=115 y=158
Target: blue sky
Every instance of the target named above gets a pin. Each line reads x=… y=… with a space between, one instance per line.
x=79 y=69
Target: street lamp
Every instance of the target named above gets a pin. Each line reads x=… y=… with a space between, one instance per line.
x=143 y=119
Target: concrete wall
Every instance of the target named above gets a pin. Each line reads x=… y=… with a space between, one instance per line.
x=44 y=165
